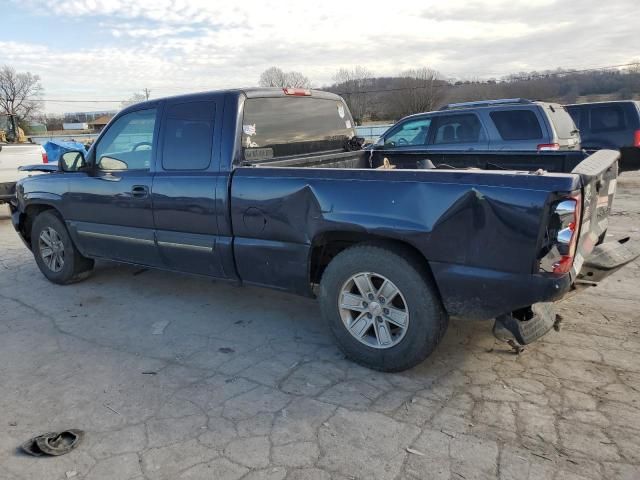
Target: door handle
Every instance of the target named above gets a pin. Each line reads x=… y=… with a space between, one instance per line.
x=139 y=191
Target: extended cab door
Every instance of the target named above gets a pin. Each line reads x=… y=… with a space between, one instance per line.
x=109 y=209
x=184 y=189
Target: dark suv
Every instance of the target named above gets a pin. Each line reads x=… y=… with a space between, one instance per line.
x=509 y=124
x=613 y=125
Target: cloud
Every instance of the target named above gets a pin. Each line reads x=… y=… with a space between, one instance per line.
x=186 y=45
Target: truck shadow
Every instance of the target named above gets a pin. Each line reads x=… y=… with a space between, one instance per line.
x=265 y=335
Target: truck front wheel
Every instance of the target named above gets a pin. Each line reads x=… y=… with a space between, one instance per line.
x=57 y=257
x=382 y=308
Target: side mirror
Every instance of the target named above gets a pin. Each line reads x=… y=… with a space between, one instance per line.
x=71 y=161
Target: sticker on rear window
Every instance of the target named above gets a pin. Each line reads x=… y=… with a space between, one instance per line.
x=249 y=129
x=258 y=153
x=340 y=110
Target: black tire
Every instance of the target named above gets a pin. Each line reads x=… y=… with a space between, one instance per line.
x=75 y=267
x=428 y=320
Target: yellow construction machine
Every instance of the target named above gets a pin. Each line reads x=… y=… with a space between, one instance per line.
x=10 y=132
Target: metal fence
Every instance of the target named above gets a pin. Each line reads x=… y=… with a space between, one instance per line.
x=371 y=133
x=80 y=137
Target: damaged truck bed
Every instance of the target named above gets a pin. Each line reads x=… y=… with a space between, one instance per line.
x=270 y=187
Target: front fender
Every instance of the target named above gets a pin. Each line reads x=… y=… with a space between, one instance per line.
x=26 y=205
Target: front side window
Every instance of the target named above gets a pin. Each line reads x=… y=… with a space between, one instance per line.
x=188 y=136
x=517 y=124
x=607 y=118
x=413 y=132
x=458 y=129
x=128 y=144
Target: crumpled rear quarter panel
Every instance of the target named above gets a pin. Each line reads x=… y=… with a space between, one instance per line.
x=488 y=222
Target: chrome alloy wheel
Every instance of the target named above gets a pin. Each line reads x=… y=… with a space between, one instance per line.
x=51 y=249
x=373 y=310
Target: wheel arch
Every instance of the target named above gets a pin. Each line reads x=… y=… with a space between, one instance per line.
x=27 y=218
x=326 y=245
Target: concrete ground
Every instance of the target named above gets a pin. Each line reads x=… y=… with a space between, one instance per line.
x=177 y=377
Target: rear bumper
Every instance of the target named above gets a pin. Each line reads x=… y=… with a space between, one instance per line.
x=608 y=258
x=528 y=325
x=480 y=294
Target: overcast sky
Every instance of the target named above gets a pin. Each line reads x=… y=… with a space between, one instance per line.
x=109 y=49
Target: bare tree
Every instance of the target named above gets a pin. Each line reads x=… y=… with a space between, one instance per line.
x=19 y=94
x=133 y=99
x=275 y=77
x=297 y=80
x=272 y=77
x=419 y=90
x=352 y=84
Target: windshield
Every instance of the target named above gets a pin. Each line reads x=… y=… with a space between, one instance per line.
x=283 y=126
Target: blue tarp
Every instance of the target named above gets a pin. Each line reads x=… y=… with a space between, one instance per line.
x=55 y=148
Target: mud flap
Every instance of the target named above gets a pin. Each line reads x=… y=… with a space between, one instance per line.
x=526 y=325
x=607 y=258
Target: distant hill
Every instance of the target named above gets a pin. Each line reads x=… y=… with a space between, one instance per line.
x=390 y=98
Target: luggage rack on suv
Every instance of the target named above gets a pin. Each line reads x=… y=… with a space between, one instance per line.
x=487 y=103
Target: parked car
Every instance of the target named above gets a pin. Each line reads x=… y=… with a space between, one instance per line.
x=270 y=187
x=614 y=125
x=508 y=124
x=12 y=157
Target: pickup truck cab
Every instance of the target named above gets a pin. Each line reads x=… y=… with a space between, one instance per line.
x=270 y=187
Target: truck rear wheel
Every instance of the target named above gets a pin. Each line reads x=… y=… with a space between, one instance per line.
x=383 y=311
x=56 y=256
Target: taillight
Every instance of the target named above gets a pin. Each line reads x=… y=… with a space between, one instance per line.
x=636 y=138
x=299 y=92
x=548 y=147
x=45 y=157
x=568 y=213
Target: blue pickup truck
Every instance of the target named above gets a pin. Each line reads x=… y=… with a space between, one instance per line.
x=271 y=187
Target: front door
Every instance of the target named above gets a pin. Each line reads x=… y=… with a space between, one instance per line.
x=110 y=212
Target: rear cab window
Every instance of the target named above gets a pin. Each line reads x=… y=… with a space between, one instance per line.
x=275 y=127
